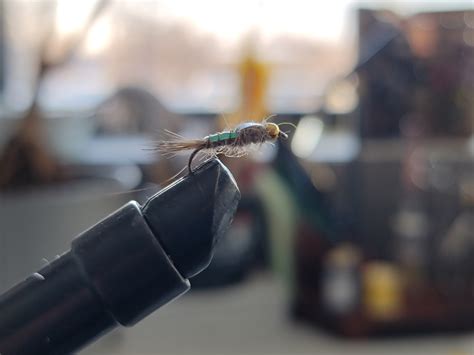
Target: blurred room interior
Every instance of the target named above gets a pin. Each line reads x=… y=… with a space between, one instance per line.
x=355 y=234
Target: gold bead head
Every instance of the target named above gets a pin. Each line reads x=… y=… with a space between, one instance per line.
x=272 y=129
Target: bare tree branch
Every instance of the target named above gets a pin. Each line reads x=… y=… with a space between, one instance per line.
x=25 y=159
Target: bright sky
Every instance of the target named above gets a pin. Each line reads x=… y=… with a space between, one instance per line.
x=324 y=20
x=327 y=20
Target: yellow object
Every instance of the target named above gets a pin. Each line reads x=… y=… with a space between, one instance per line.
x=254 y=83
x=272 y=129
x=382 y=290
x=254 y=75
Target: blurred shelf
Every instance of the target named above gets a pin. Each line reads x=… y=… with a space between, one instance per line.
x=448 y=149
x=252 y=318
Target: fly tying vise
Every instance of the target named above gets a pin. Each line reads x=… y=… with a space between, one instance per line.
x=233 y=143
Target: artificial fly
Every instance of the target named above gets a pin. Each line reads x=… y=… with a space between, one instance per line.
x=233 y=143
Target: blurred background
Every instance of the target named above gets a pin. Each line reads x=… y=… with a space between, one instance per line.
x=355 y=235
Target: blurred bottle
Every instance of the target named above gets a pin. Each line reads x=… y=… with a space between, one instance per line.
x=411 y=229
x=341 y=287
x=254 y=85
x=455 y=267
x=253 y=74
x=383 y=291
